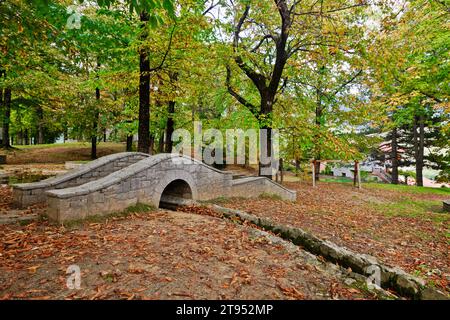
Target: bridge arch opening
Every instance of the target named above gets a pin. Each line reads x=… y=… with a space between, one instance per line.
x=175 y=194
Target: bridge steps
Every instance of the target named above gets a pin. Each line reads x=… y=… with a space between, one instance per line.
x=27 y=194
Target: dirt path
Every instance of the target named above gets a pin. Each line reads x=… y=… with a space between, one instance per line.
x=162 y=255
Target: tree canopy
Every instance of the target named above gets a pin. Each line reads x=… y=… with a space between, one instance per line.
x=335 y=77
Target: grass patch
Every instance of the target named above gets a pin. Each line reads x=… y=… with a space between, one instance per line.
x=270 y=196
x=339 y=180
x=379 y=294
x=138 y=208
x=408 y=189
x=424 y=209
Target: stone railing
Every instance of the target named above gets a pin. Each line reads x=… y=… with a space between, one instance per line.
x=28 y=194
x=383 y=175
x=255 y=186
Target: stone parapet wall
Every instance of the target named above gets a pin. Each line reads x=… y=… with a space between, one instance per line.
x=28 y=194
x=256 y=186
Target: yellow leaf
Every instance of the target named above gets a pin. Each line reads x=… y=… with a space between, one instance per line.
x=33 y=269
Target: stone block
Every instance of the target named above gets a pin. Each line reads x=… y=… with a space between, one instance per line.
x=125 y=186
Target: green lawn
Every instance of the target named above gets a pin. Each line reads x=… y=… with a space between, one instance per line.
x=385 y=186
x=338 y=179
x=408 y=189
x=430 y=210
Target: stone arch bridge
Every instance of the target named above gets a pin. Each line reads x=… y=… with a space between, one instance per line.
x=116 y=182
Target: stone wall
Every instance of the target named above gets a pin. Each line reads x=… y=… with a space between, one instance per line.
x=28 y=194
x=255 y=186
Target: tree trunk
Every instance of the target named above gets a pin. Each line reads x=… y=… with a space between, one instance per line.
x=130 y=143
x=318 y=121
x=161 y=143
x=104 y=135
x=267 y=86
x=40 y=115
x=152 y=144
x=420 y=151
x=297 y=167
x=144 y=94
x=26 y=137
x=170 y=127
x=394 y=156
x=355 y=173
x=95 y=128
x=95 y=120
x=317 y=165
x=1 y=104
x=94 y=137
x=265 y=134
x=6 y=117
x=265 y=169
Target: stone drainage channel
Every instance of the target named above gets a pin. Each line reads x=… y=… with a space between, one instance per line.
x=361 y=265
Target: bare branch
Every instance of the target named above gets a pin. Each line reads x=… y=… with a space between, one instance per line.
x=267 y=36
x=253 y=109
x=292 y=8
x=169 y=46
x=282 y=55
x=428 y=95
x=341 y=87
x=258 y=79
x=211 y=7
x=282 y=88
x=239 y=27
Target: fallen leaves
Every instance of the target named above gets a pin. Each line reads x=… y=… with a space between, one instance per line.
x=158 y=256
x=292 y=292
x=344 y=215
x=135 y=270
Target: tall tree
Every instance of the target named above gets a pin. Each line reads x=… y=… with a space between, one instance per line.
x=410 y=41
x=263 y=58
